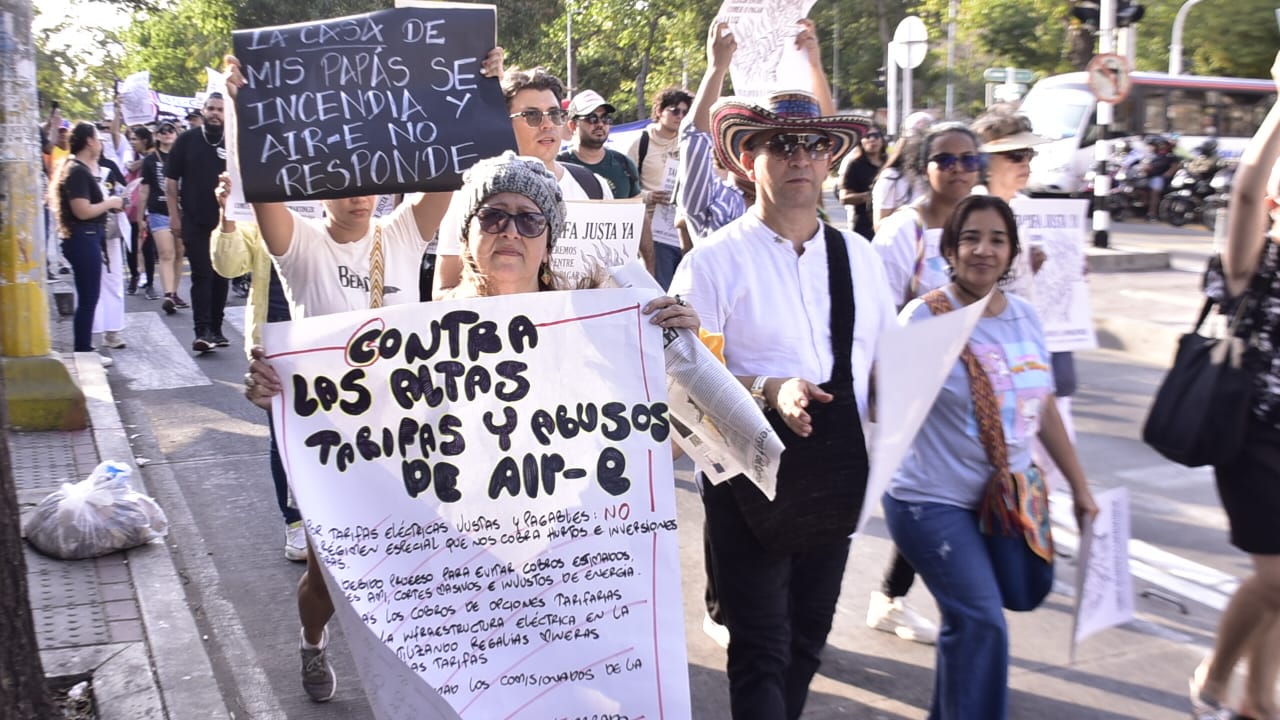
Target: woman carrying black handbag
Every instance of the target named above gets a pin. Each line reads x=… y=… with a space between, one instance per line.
x=1249 y=484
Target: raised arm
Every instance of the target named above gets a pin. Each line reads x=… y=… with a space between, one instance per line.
x=720 y=47
x=807 y=42
x=1247 y=216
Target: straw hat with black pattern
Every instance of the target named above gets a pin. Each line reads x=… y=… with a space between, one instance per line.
x=733 y=120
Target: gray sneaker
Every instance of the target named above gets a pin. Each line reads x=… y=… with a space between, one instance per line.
x=318 y=678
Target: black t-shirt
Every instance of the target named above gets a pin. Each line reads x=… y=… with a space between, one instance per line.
x=77 y=182
x=196 y=163
x=153 y=177
x=859 y=175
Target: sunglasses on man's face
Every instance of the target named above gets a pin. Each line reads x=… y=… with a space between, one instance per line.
x=968 y=162
x=1018 y=156
x=534 y=117
x=596 y=119
x=784 y=147
x=493 y=221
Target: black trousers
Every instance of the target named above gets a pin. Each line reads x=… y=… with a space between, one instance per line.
x=208 y=288
x=778 y=608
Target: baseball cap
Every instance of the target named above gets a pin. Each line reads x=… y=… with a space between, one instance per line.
x=587 y=102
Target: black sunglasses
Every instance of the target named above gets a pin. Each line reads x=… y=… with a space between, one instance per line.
x=493 y=221
x=969 y=162
x=534 y=117
x=784 y=147
x=676 y=110
x=873 y=136
x=596 y=119
x=1018 y=156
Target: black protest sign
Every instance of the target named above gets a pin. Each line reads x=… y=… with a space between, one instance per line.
x=387 y=102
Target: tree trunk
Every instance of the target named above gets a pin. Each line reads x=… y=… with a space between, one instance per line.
x=642 y=77
x=23 y=695
x=1079 y=46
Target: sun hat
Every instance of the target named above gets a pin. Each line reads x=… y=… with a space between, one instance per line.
x=1002 y=131
x=733 y=120
x=587 y=102
x=509 y=172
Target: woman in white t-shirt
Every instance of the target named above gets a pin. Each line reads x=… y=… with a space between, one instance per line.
x=510 y=211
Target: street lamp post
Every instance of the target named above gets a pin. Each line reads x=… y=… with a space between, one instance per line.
x=568 y=47
x=1175 y=42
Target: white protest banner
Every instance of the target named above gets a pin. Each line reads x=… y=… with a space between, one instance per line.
x=1104 y=587
x=489 y=484
x=137 y=106
x=663 y=225
x=175 y=105
x=765 y=32
x=912 y=363
x=598 y=234
x=1061 y=296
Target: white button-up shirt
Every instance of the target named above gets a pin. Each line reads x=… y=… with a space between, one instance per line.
x=774 y=306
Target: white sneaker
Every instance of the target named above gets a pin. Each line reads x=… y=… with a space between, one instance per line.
x=295 y=542
x=112 y=340
x=716 y=631
x=106 y=361
x=892 y=615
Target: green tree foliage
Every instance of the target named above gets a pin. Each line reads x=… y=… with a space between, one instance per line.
x=177 y=43
x=80 y=86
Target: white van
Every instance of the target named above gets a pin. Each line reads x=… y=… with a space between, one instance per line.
x=1192 y=108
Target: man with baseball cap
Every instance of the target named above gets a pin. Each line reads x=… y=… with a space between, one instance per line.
x=590 y=118
x=801 y=306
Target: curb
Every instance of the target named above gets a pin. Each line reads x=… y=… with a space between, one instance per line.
x=183 y=677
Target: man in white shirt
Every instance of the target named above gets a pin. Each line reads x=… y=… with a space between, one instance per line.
x=533 y=100
x=801 y=306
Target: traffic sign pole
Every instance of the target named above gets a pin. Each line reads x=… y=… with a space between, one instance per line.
x=1102 y=149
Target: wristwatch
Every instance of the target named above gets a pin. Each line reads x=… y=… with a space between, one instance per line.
x=757 y=391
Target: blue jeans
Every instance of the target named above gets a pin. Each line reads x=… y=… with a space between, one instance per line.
x=84 y=251
x=280 y=478
x=778 y=608
x=971 y=677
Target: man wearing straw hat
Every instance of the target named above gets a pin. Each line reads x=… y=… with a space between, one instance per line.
x=801 y=306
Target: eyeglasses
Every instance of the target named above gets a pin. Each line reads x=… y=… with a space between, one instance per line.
x=969 y=162
x=784 y=147
x=1018 y=156
x=534 y=117
x=676 y=110
x=493 y=221
x=596 y=119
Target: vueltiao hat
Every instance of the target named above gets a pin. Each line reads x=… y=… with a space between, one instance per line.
x=733 y=120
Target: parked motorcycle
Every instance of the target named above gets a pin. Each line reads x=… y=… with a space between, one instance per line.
x=1190 y=187
x=1221 y=186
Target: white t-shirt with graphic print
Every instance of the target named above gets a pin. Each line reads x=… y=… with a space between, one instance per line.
x=328 y=277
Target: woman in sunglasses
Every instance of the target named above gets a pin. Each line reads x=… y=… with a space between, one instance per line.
x=908 y=239
x=1009 y=145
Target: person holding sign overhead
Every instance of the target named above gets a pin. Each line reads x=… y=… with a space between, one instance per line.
x=533 y=101
x=801 y=306
x=510 y=211
x=948 y=505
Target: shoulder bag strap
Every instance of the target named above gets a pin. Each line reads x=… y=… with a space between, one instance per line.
x=999 y=504
x=377 y=266
x=843 y=309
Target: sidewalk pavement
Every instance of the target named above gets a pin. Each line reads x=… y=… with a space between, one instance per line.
x=122 y=619
x=125 y=618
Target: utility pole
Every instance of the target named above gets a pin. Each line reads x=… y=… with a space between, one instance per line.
x=951 y=58
x=568 y=48
x=41 y=394
x=835 y=54
x=1102 y=149
x=1175 y=42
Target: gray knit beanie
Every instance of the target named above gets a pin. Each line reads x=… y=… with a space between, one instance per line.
x=509 y=172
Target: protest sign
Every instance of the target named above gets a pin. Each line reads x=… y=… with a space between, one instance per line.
x=136 y=104
x=386 y=102
x=175 y=105
x=1061 y=294
x=1104 y=586
x=489 y=485
x=912 y=364
x=237 y=208
x=663 y=226
x=598 y=235
x=765 y=32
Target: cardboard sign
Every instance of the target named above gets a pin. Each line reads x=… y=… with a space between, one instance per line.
x=1060 y=290
x=598 y=235
x=386 y=102
x=501 y=542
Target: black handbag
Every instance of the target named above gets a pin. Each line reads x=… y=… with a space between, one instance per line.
x=1202 y=407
